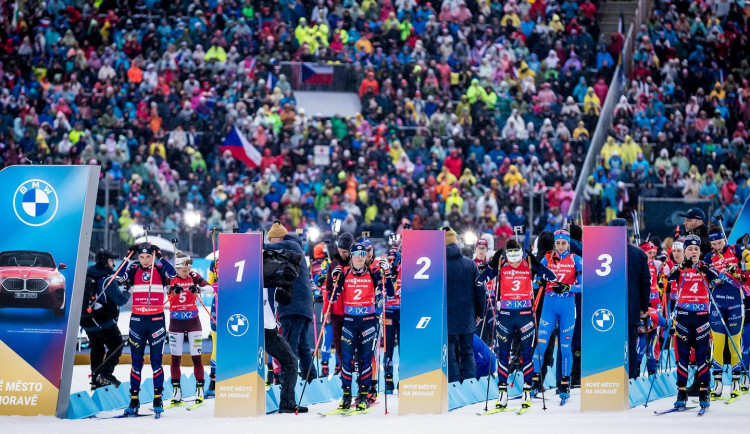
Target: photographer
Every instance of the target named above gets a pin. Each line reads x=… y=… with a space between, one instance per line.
x=100 y=324
x=295 y=317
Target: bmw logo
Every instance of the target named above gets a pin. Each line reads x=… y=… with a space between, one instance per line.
x=35 y=202
x=603 y=320
x=238 y=325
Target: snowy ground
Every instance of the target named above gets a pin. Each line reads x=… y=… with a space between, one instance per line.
x=720 y=418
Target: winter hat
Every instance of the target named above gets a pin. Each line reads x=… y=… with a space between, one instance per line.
x=716 y=234
x=319 y=251
x=692 y=240
x=450 y=236
x=103 y=256
x=277 y=230
x=647 y=246
x=562 y=234
x=482 y=242
x=618 y=222
x=345 y=241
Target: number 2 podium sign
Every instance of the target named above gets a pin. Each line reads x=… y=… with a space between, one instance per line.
x=423 y=386
x=240 y=387
x=604 y=319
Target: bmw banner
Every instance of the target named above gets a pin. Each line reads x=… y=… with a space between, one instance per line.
x=47 y=214
x=604 y=319
x=240 y=385
x=423 y=368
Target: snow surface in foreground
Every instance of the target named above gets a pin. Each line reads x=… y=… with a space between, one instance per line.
x=720 y=418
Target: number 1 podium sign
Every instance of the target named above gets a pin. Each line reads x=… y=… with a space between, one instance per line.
x=423 y=368
x=604 y=319
x=240 y=387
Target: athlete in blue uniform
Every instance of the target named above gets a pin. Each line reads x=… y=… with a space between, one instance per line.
x=559 y=308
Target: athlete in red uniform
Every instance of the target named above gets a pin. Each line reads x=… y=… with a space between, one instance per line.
x=183 y=320
x=147 y=280
x=692 y=327
x=359 y=288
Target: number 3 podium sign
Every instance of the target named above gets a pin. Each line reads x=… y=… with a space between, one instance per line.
x=423 y=386
x=240 y=387
x=604 y=319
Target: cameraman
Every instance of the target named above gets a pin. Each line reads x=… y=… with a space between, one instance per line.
x=295 y=317
x=100 y=324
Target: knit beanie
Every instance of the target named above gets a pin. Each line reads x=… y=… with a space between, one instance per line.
x=277 y=231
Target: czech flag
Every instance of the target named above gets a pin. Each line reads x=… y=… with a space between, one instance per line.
x=236 y=143
x=314 y=74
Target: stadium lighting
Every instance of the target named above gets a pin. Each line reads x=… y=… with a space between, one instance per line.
x=192 y=218
x=470 y=238
x=313 y=233
x=136 y=230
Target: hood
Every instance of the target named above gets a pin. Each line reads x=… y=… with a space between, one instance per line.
x=292 y=236
x=452 y=251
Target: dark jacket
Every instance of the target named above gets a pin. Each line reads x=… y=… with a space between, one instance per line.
x=702 y=232
x=105 y=316
x=466 y=297
x=639 y=283
x=302 y=300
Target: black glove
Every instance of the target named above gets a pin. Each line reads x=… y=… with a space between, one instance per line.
x=703 y=267
x=156 y=251
x=533 y=259
x=732 y=269
x=561 y=288
x=194 y=289
x=687 y=263
x=495 y=261
x=176 y=289
x=336 y=271
x=133 y=251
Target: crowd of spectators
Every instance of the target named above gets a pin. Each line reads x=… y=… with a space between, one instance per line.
x=680 y=129
x=467 y=107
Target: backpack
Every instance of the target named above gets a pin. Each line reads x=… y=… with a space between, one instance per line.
x=90 y=292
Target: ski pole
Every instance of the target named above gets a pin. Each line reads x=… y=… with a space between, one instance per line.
x=108 y=358
x=669 y=327
x=494 y=337
x=206 y=309
x=318 y=340
x=385 y=347
x=151 y=271
x=538 y=353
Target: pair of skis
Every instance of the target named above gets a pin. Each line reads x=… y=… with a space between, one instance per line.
x=701 y=412
x=349 y=411
x=192 y=407
x=518 y=410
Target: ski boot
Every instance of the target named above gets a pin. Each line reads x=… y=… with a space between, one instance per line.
x=682 y=397
x=107 y=380
x=536 y=385
x=135 y=402
x=324 y=369
x=211 y=386
x=704 y=397
x=346 y=399
x=176 y=394
x=372 y=395
x=735 y=386
x=158 y=404
x=718 y=388
x=199 y=394
x=526 y=397
x=389 y=384
x=292 y=408
x=745 y=384
x=269 y=376
x=564 y=388
x=363 y=400
x=502 y=396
